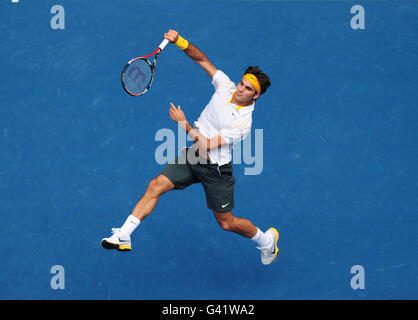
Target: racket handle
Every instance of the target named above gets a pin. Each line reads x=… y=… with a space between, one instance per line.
x=163 y=44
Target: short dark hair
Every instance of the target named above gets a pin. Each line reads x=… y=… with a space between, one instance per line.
x=262 y=78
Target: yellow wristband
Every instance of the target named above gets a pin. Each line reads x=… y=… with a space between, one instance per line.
x=182 y=43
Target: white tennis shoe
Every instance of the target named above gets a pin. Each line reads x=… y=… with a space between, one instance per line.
x=269 y=254
x=117 y=241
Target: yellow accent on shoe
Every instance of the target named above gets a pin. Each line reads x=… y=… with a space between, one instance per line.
x=277 y=239
x=124 y=248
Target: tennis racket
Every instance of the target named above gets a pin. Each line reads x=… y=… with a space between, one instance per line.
x=138 y=74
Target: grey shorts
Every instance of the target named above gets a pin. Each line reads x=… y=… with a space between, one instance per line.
x=217 y=181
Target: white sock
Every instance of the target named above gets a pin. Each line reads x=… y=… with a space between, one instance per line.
x=129 y=226
x=262 y=239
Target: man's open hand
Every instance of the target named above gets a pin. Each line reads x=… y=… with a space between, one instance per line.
x=176 y=114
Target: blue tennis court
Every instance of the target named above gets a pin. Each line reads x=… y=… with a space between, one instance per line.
x=339 y=160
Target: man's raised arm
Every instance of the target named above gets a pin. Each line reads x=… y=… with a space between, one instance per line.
x=191 y=51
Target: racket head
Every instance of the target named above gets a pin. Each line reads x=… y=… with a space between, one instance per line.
x=137 y=76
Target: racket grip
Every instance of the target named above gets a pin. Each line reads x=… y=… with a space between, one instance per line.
x=163 y=44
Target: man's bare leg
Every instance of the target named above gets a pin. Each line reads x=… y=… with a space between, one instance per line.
x=228 y=222
x=157 y=186
x=121 y=237
x=267 y=241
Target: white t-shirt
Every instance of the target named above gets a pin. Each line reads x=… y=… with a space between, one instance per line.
x=220 y=116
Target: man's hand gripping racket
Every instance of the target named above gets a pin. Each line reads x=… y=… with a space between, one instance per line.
x=138 y=74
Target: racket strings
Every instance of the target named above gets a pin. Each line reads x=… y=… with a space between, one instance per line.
x=137 y=76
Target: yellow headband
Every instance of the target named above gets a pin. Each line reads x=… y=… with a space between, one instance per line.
x=254 y=81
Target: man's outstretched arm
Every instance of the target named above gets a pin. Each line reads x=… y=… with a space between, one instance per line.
x=193 y=53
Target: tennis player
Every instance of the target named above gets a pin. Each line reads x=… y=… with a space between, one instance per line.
x=225 y=120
